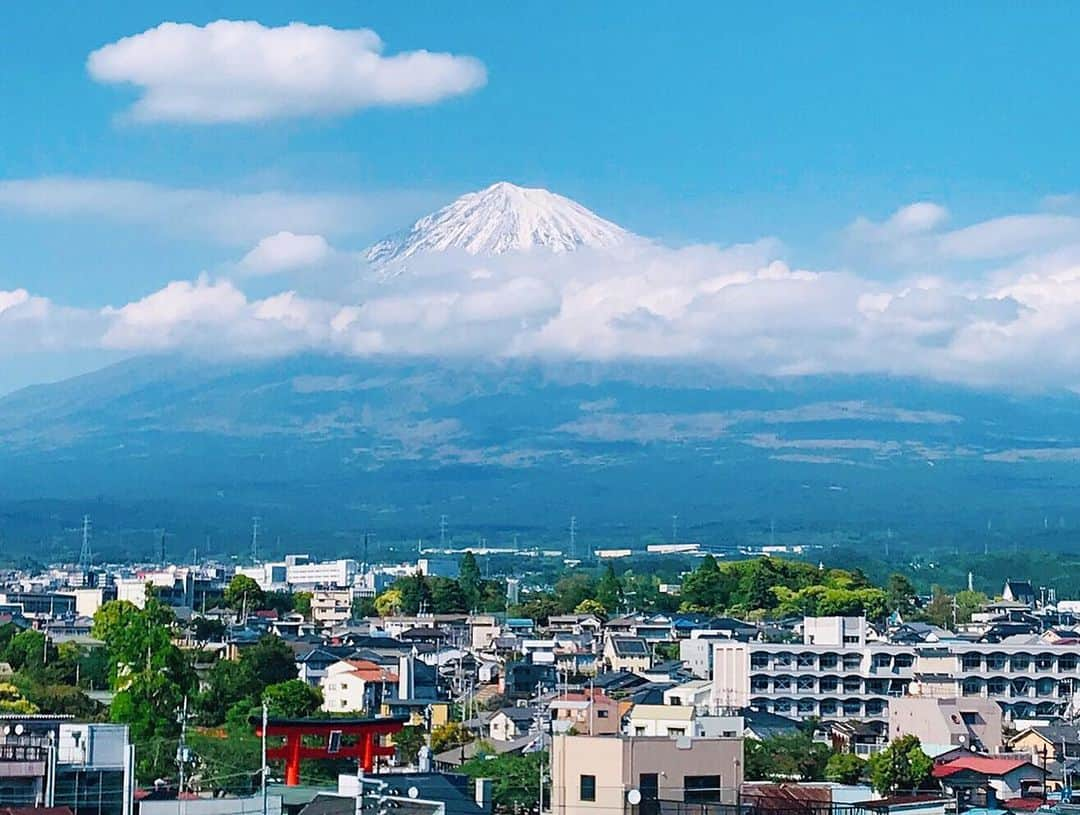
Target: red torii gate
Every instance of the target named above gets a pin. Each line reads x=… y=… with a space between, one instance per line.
x=293 y=751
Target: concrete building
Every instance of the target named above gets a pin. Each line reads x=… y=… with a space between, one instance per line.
x=46 y=761
x=592 y=713
x=971 y=723
x=331 y=607
x=594 y=775
x=669 y=721
x=837 y=674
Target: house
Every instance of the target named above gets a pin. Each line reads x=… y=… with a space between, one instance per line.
x=1059 y=742
x=312 y=663
x=522 y=679
x=355 y=685
x=978 y=780
x=510 y=723
x=591 y=713
x=1019 y=591
x=627 y=654
x=962 y=721
x=593 y=775
x=661 y=720
x=696 y=694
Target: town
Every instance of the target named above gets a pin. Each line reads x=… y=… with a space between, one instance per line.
x=303 y=687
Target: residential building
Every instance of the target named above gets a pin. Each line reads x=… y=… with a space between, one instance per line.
x=968 y=722
x=357 y=685
x=696 y=694
x=592 y=713
x=969 y=778
x=661 y=720
x=509 y=723
x=331 y=607
x=627 y=654
x=836 y=673
x=593 y=775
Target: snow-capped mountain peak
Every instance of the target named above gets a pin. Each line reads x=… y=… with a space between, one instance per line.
x=502 y=218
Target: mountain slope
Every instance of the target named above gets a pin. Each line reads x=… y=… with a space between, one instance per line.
x=502 y=218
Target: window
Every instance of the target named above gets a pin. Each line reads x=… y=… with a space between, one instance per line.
x=649 y=786
x=588 y=788
x=701 y=789
x=639 y=731
x=676 y=731
x=601 y=714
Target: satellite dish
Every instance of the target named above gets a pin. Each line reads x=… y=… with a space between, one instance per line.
x=18 y=730
x=633 y=797
x=7 y=729
x=414 y=792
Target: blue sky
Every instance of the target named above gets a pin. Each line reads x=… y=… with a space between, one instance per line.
x=701 y=122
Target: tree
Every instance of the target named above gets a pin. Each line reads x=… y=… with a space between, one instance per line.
x=11 y=701
x=844 y=768
x=294 y=699
x=794 y=756
x=408 y=743
x=388 y=604
x=205 y=629
x=243 y=593
x=227 y=683
x=609 y=591
x=590 y=606
x=26 y=651
x=302 y=603
x=270 y=660
x=900 y=592
x=450 y=734
x=447 y=596
x=514 y=787
x=469 y=580
x=900 y=766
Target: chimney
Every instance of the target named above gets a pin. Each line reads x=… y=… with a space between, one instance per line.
x=483 y=794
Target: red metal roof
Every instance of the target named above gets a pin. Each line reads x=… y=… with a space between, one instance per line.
x=980 y=764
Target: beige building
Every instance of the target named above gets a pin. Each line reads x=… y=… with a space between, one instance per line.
x=972 y=723
x=595 y=775
x=661 y=720
x=331 y=607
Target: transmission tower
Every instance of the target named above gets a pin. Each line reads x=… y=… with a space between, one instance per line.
x=255 y=539
x=84 y=553
x=573 y=536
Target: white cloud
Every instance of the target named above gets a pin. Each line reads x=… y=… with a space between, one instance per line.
x=242 y=71
x=286 y=252
x=235 y=218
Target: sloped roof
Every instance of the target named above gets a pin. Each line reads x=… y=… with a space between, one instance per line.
x=984 y=765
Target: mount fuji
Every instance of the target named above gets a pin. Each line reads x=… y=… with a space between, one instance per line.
x=499 y=219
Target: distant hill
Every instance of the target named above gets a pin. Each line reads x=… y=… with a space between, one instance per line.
x=325 y=447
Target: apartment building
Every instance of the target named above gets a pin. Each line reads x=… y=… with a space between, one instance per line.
x=331 y=607
x=837 y=673
x=607 y=775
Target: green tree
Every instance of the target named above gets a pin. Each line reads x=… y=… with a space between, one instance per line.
x=302 y=603
x=27 y=651
x=844 y=768
x=450 y=734
x=227 y=683
x=294 y=699
x=514 y=777
x=900 y=766
x=900 y=592
x=447 y=596
x=408 y=743
x=469 y=580
x=794 y=756
x=244 y=593
x=609 y=591
x=270 y=660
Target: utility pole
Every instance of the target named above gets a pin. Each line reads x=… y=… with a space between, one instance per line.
x=265 y=769
x=181 y=749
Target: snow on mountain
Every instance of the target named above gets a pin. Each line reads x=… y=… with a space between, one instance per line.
x=502 y=218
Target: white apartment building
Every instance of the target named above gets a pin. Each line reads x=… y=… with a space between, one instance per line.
x=299 y=573
x=837 y=674
x=331 y=607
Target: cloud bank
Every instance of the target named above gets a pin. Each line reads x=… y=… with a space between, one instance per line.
x=242 y=71
x=746 y=308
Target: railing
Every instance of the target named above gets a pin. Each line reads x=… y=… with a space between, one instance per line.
x=21 y=752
